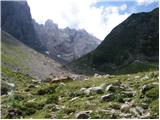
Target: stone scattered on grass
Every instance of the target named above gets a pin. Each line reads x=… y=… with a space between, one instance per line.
x=125 y=115
x=134 y=112
x=145 y=88
x=83 y=115
x=145 y=77
x=111 y=88
x=107 y=97
x=125 y=107
x=73 y=98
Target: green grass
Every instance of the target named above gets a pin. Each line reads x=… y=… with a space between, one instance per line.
x=41 y=106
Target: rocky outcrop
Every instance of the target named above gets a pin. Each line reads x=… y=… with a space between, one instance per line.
x=17 y=21
x=65 y=44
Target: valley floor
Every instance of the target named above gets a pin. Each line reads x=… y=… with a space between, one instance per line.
x=106 y=96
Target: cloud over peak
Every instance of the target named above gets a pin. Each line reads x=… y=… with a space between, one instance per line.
x=81 y=14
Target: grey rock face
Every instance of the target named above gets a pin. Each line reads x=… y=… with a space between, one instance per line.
x=66 y=44
x=17 y=21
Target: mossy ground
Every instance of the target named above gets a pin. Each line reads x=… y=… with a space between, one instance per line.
x=38 y=101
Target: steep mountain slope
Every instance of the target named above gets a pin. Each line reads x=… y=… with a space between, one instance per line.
x=133 y=45
x=66 y=44
x=17 y=21
x=17 y=57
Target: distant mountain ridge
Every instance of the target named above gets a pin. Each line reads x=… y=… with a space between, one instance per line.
x=63 y=45
x=66 y=44
x=134 y=40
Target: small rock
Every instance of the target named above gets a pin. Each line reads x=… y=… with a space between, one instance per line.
x=111 y=76
x=107 y=97
x=96 y=75
x=106 y=76
x=55 y=108
x=125 y=107
x=145 y=88
x=87 y=91
x=61 y=79
x=103 y=86
x=36 y=81
x=61 y=83
x=111 y=88
x=146 y=116
x=134 y=112
x=97 y=90
x=129 y=93
x=136 y=77
x=125 y=115
x=82 y=89
x=11 y=84
x=145 y=77
x=31 y=86
x=127 y=99
x=13 y=112
x=31 y=100
x=91 y=97
x=83 y=115
x=91 y=90
x=140 y=110
x=53 y=115
x=73 y=98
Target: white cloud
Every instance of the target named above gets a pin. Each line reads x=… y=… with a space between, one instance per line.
x=79 y=14
x=145 y=2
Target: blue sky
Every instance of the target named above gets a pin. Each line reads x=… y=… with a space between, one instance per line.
x=98 y=17
x=133 y=7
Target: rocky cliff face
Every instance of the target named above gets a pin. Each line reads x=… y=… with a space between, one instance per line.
x=134 y=40
x=66 y=44
x=17 y=21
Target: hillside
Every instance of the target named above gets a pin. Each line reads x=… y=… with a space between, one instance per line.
x=17 y=57
x=132 y=46
x=66 y=44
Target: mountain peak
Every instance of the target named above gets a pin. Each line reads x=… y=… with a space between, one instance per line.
x=50 y=23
